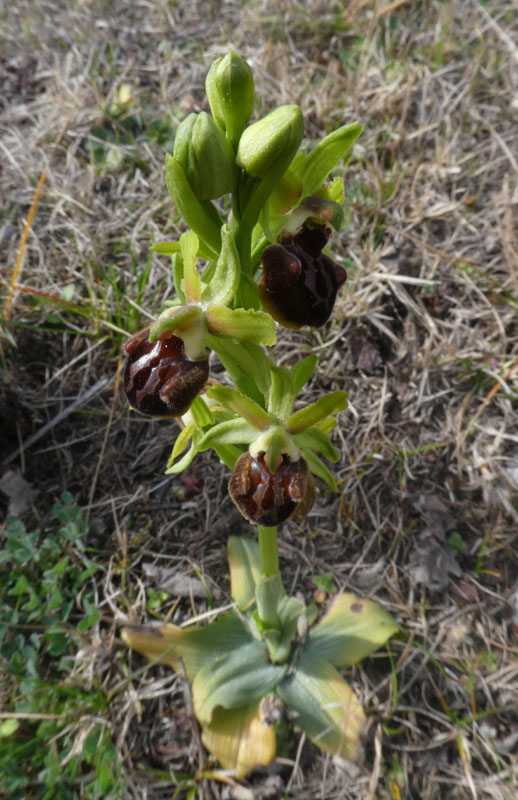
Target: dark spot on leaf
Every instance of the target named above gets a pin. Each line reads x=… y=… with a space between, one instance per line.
x=356 y=608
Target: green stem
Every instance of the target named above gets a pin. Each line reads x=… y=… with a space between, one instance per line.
x=268 y=550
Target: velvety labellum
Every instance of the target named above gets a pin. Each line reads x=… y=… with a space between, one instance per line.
x=266 y=499
x=159 y=380
x=299 y=283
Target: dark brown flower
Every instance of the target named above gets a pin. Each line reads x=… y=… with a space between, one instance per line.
x=299 y=283
x=159 y=379
x=266 y=499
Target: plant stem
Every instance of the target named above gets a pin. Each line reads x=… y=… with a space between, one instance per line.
x=268 y=550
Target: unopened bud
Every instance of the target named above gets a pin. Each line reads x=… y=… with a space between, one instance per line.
x=270 y=144
x=205 y=156
x=230 y=90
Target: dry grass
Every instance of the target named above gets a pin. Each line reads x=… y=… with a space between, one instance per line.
x=425 y=339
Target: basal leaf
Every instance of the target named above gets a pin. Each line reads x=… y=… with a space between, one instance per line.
x=237 y=678
x=352 y=629
x=240 y=739
x=327 y=709
x=196 y=646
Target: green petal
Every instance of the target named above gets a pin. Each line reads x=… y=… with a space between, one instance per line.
x=233 y=431
x=240 y=404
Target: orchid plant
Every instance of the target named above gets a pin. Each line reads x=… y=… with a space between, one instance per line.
x=262 y=247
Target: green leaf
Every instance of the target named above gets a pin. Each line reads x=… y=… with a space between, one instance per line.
x=327 y=709
x=318 y=468
x=225 y=279
x=233 y=431
x=282 y=393
x=325 y=406
x=317 y=440
x=240 y=739
x=235 y=679
x=352 y=629
x=302 y=371
x=240 y=404
x=245 y=570
x=326 y=155
x=190 y=208
x=241 y=325
x=189 y=244
x=8 y=727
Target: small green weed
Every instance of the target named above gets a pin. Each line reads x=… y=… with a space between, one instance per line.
x=51 y=747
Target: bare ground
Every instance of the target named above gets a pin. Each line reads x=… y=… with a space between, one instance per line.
x=425 y=339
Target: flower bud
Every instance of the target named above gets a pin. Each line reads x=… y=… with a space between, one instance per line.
x=299 y=283
x=205 y=156
x=266 y=499
x=159 y=379
x=269 y=145
x=230 y=90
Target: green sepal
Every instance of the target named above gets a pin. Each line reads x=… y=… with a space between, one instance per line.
x=236 y=678
x=173 y=319
x=326 y=155
x=225 y=279
x=170 y=248
x=245 y=570
x=190 y=208
x=233 y=431
x=318 y=468
x=228 y=454
x=247 y=365
x=182 y=440
x=201 y=413
x=240 y=404
x=175 y=468
x=165 y=248
x=323 y=407
x=316 y=439
x=189 y=244
x=282 y=393
x=241 y=325
x=352 y=629
x=177 y=271
x=326 y=708
x=276 y=438
x=247 y=295
x=302 y=371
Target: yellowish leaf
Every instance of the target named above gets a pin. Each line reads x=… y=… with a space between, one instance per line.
x=240 y=739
